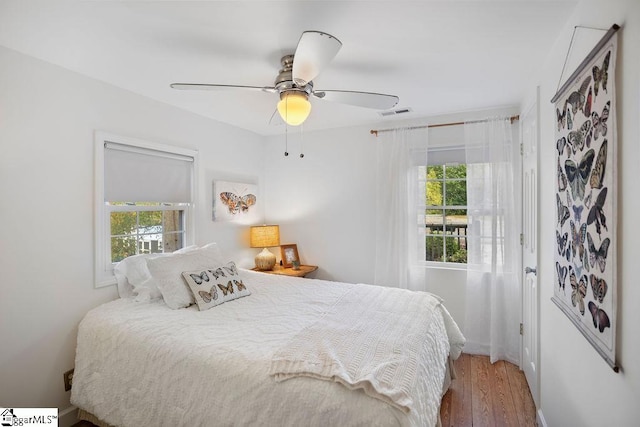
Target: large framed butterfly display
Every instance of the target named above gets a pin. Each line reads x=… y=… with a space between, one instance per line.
x=585 y=259
x=235 y=201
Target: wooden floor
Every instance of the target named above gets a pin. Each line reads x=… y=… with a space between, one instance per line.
x=485 y=394
x=482 y=395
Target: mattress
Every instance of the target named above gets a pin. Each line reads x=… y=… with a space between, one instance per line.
x=145 y=364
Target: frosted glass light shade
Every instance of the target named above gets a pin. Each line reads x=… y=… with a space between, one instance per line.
x=263 y=236
x=294 y=108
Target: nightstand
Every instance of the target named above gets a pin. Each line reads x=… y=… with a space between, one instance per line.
x=277 y=269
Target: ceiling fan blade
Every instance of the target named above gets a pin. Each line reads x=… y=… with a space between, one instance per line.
x=378 y=101
x=203 y=86
x=315 y=50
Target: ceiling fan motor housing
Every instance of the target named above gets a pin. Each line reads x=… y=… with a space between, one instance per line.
x=284 y=81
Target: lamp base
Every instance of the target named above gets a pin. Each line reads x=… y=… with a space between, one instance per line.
x=265 y=260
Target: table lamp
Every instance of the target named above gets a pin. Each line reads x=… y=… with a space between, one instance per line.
x=264 y=236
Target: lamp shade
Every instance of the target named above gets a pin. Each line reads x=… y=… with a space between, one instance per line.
x=264 y=236
x=294 y=107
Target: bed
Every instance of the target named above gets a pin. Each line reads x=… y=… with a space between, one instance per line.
x=289 y=352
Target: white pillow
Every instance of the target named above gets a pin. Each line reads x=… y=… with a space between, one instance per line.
x=166 y=273
x=216 y=285
x=132 y=274
x=188 y=249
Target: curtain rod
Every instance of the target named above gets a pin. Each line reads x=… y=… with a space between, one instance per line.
x=375 y=131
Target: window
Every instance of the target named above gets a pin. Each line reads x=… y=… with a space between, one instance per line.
x=145 y=228
x=445 y=218
x=144 y=199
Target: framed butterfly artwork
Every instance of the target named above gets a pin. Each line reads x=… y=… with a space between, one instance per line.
x=235 y=201
x=585 y=288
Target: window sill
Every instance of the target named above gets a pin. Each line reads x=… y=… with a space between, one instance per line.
x=444 y=265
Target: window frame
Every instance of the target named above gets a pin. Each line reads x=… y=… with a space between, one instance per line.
x=103 y=267
x=164 y=207
x=443 y=208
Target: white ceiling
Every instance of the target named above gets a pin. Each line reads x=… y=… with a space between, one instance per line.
x=438 y=56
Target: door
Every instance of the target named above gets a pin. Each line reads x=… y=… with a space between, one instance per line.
x=530 y=298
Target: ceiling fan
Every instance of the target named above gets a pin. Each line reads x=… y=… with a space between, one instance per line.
x=294 y=82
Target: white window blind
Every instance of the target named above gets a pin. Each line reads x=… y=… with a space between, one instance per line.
x=446 y=155
x=136 y=174
x=455 y=155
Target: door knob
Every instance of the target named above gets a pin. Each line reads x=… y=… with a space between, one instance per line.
x=528 y=270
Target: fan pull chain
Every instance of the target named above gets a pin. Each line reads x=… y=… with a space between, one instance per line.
x=301 y=141
x=286 y=142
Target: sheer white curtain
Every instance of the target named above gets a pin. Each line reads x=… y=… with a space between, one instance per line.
x=400 y=200
x=493 y=303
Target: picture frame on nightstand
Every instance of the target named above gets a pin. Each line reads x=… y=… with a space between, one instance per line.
x=289 y=255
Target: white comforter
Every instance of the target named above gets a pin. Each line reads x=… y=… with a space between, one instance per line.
x=145 y=364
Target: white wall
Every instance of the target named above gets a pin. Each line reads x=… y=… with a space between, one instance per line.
x=577 y=386
x=47 y=119
x=325 y=202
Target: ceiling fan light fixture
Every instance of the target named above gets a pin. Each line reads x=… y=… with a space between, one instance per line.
x=294 y=107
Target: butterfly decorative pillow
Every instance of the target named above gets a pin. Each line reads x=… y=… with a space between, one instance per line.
x=166 y=273
x=216 y=285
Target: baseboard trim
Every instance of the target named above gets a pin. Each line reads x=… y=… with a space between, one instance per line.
x=68 y=417
x=540 y=418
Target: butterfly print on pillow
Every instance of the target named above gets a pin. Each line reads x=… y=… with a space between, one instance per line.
x=207 y=297
x=199 y=278
x=239 y=285
x=217 y=273
x=226 y=289
x=231 y=269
